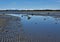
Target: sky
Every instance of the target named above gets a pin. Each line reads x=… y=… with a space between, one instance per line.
x=29 y=4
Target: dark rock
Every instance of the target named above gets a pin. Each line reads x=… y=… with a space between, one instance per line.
x=29 y=18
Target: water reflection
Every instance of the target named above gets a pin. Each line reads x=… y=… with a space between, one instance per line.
x=44 y=18
x=38 y=29
x=28 y=17
x=22 y=16
x=35 y=23
x=57 y=19
x=41 y=28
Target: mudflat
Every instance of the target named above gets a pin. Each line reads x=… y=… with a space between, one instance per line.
x=11 y=29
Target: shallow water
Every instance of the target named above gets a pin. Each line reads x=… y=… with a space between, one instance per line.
x=31 y=28
x=42 y=28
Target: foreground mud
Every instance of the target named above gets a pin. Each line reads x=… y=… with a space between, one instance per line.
x=11 y=29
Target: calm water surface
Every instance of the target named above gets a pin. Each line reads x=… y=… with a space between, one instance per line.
x=38 y=28
x=41 y=28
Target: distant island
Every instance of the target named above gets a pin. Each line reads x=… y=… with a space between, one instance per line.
x=34 y=12
x=29 y=10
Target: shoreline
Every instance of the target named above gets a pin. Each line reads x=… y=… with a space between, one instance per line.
x=32 y=12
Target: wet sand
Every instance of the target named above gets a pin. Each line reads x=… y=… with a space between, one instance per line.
x=11 y=29
x=28 y=29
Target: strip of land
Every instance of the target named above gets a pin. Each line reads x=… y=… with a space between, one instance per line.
x=31 y=12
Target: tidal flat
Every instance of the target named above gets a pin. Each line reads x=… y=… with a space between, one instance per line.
x=29 y=28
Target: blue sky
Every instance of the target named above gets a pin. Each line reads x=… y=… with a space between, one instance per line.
x=29 y=4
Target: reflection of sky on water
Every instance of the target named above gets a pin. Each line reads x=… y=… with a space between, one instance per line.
x=41 y=26
x=45 y=27
x=41 y=21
